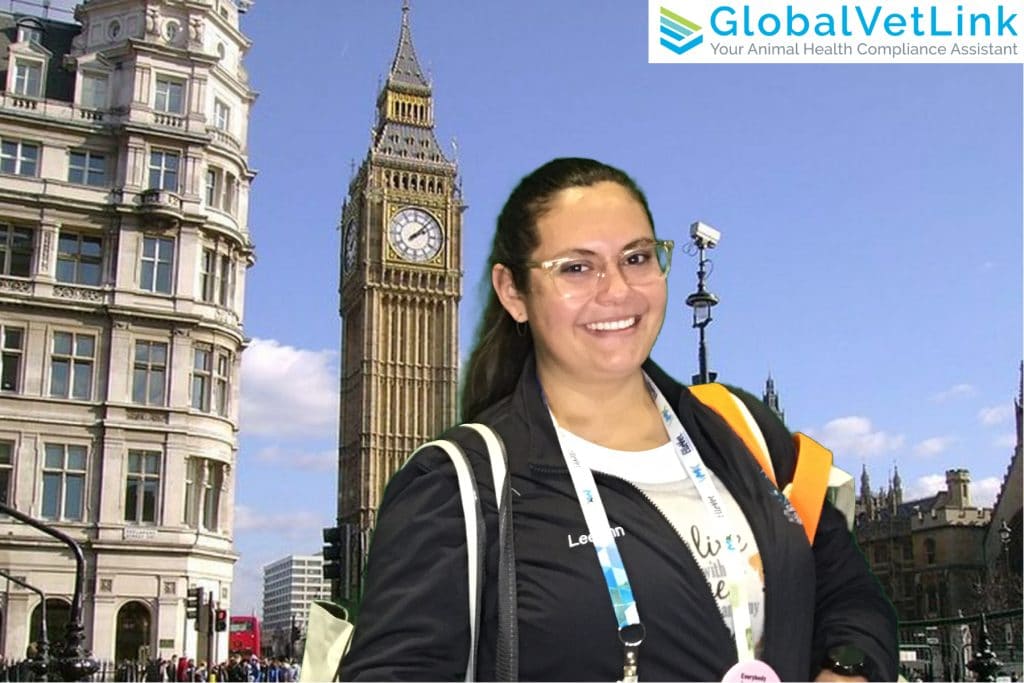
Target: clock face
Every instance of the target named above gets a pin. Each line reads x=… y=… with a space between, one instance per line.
x=351 y=245
x=415 y=235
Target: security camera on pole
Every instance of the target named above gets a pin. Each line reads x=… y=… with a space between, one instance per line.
x=703 y=237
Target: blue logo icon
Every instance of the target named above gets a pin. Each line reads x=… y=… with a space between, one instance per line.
x=679 y=34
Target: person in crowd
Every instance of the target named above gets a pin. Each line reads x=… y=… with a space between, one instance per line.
x=648 y=541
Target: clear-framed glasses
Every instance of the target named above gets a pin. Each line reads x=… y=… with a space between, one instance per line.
x=642 y=263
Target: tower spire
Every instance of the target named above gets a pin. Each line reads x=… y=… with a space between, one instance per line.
x=405 y=67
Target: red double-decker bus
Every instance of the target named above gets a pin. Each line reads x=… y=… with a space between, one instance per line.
x=244 y=636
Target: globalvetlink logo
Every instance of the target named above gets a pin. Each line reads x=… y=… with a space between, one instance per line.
x=886 y=31
x=677 y=33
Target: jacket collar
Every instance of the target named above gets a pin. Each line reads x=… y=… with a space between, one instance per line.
x=542 y=442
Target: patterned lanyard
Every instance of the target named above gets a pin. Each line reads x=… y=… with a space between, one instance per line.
x=631 y=630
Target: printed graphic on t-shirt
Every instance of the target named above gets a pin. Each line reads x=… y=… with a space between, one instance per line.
x=710 y=553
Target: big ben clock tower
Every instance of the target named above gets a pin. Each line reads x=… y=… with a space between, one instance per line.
x=400 y=286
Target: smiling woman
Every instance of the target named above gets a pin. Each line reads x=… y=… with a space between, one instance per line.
x=628 y=496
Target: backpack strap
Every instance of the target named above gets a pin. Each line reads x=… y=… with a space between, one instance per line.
x=806 y=492
x=475 y=540
x=736 y=415
x=507 y=647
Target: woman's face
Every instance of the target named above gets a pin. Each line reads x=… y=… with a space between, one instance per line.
x=608 y=332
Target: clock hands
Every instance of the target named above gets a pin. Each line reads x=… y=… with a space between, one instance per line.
x=416 y=234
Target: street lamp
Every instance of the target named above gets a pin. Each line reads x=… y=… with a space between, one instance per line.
x=703 y=237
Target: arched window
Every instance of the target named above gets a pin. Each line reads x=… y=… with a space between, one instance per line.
x=929 y=550
x=58 y=614
x=133 y=632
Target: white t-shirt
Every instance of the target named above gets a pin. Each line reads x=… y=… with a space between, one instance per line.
x=660 y=476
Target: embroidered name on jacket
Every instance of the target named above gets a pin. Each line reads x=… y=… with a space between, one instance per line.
x=587 y=539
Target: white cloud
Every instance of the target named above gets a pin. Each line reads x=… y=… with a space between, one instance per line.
x=925 y=487
x=983 y=491
x=933 y=446
x=995 y=414
x=956 y=391
x=288 y=391
x=855 y=436
x=300 y=524
x=319 y=461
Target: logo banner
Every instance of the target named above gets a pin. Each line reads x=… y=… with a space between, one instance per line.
x=813 y=31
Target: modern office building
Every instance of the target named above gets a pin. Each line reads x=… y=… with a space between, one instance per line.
x=290 y=585
x=124 y=245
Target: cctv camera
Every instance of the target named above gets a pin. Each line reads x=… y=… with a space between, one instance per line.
x=704 y=235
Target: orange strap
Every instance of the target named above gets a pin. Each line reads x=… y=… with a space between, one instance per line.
x=807 y=491
x=810 y=481
x=719 y=399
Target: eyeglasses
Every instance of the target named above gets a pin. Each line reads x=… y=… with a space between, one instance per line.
x=577 y=276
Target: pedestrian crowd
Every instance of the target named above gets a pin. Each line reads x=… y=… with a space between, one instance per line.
x=236 y=668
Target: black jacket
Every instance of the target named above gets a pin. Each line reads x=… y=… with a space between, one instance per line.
x=413 y=622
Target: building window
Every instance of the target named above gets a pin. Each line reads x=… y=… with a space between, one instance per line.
x=163 y=170
x=30 y=34
x=226 y=290
x=169 y=95
x=6 y=470
x=79 y=258
x=207 y=275
x=19 y=158
x=213 y=480
x=211 y=379
x=12 y=345
x=929 y=550
x=149 y=379
x=87 y=168
x=202 y=371
x=143 y=487
x=221 y=382
x=204 y=480
x=212 y=186
x=15 y=250
x=221 y=115
x=71 y=365
x=64 y=482
x=28 y=78
x=157 y=264
x=94 y=91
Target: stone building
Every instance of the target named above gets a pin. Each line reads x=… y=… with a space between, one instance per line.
x=124 y=245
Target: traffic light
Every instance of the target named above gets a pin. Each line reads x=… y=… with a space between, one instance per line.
x=194 y=602
x=220 y=620
x=203 y=617
x=332 y=553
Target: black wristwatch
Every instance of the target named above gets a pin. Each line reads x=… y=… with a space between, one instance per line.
x=845 y=660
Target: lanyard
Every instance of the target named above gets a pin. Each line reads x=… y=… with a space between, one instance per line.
x=631 y=630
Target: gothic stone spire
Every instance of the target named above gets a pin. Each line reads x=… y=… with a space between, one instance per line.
x=405 y=68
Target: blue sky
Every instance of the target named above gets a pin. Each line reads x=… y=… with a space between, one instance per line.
x=871 y=220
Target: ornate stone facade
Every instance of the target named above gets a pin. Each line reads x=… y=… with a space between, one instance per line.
x=124 y=245
x=400 y=286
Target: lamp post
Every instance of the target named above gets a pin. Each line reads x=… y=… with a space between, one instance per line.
x=41 y=663
x=703 y=237
x=985 y=663
x=71 y=660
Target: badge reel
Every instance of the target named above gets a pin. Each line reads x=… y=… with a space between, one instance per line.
x=631 y=637
x=751 y=671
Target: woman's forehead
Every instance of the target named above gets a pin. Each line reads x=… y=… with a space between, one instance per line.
x=601 y=217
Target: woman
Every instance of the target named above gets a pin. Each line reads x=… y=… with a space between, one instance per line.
x=601 y=447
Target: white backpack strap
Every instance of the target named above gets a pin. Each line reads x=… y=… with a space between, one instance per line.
x=472 y=514
x=496 y=453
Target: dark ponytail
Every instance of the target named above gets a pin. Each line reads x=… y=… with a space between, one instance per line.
x=497 y=357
